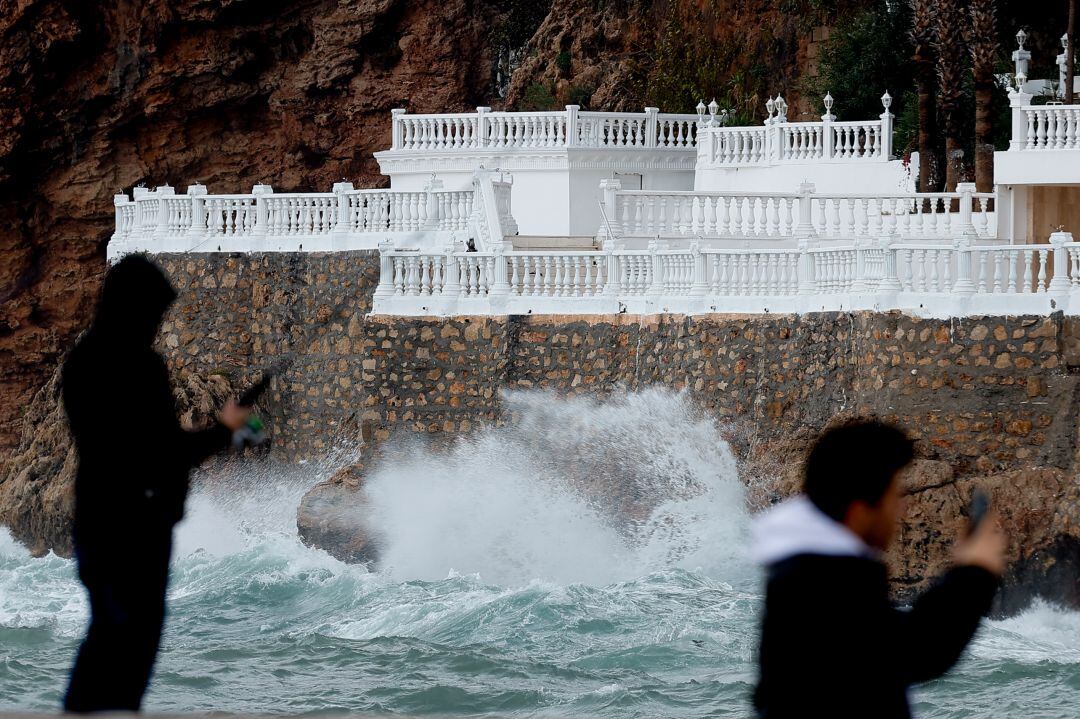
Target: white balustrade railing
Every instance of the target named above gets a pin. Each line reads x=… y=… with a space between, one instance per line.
x=946 y=279
x=1052 y=127
x=1043 y=127
x=779 y=141
x=648 y=214
x=485 y=129
x=162 y=221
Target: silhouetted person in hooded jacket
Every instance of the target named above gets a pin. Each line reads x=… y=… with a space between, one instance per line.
x=132 y=481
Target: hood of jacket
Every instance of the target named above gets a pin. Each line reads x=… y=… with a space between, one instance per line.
x=796 y=526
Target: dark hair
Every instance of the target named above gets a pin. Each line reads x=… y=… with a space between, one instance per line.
x=134 y=296
x=856 y=461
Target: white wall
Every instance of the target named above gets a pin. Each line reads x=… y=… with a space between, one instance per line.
x=828 y=177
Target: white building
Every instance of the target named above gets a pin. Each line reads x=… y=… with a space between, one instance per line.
x=539 y=212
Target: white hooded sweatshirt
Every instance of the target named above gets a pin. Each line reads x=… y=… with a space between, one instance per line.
x=796 y=526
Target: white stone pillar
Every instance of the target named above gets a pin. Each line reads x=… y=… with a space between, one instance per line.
x=609 y=222
x=452 y=280
x=1064 y=73
x=807 y=283
x=656 y=284
x=482 y=126
x=886 y=145
x=700 y=286
x=650 y=126
x=161 y=227
x=827 y=140
x=385 y=288
x=262 y=216
x=613 y=280
x=805 y=228
x=397 y=127
x=342 y=222
x=572 y=125
x=859 y=284
x=500 y=287
x=118 y=200
x=891 y=281
x=964 y=284
x=197 y=193
x=1059 y=283
x=1018 y=101
x=433 y=211
x=966 y=191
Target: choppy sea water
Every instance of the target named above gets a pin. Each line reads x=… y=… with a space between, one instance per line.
x=509 y=586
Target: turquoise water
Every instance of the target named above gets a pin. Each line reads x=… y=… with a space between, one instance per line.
x=508 y=587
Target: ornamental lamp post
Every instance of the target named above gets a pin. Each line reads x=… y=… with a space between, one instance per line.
x=1064 y=74
x=828 y=101
x=1021 y=58
x=781 y=108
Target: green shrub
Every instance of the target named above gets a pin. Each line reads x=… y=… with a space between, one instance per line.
x=539 y=96
x=580 y=95
x=562 y=61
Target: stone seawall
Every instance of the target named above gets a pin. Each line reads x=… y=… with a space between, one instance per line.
x=989 y=399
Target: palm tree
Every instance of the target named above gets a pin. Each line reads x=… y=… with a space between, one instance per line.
x=923 y=32
x=950 y=68
x=982 y=43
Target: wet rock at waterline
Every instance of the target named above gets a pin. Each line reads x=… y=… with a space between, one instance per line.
x=331 y=517
x=37 y=482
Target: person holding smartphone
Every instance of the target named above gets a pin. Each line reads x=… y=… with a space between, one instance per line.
x=832 y=644
x=131 y=484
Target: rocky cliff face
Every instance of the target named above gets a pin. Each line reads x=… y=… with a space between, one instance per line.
x=627 y=54
x=98 y=97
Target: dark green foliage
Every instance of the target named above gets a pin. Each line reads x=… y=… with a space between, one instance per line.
x=562 y=61
x=870 y=52
x=580 y=95
x=866 y=54
x=539 y=97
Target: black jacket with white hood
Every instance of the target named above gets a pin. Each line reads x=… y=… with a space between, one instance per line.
x=832 y=644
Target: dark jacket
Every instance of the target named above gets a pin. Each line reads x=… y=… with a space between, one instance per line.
x=134 y=458
x=833 y=645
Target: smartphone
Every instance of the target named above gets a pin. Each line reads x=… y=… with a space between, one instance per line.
x=977 y=511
